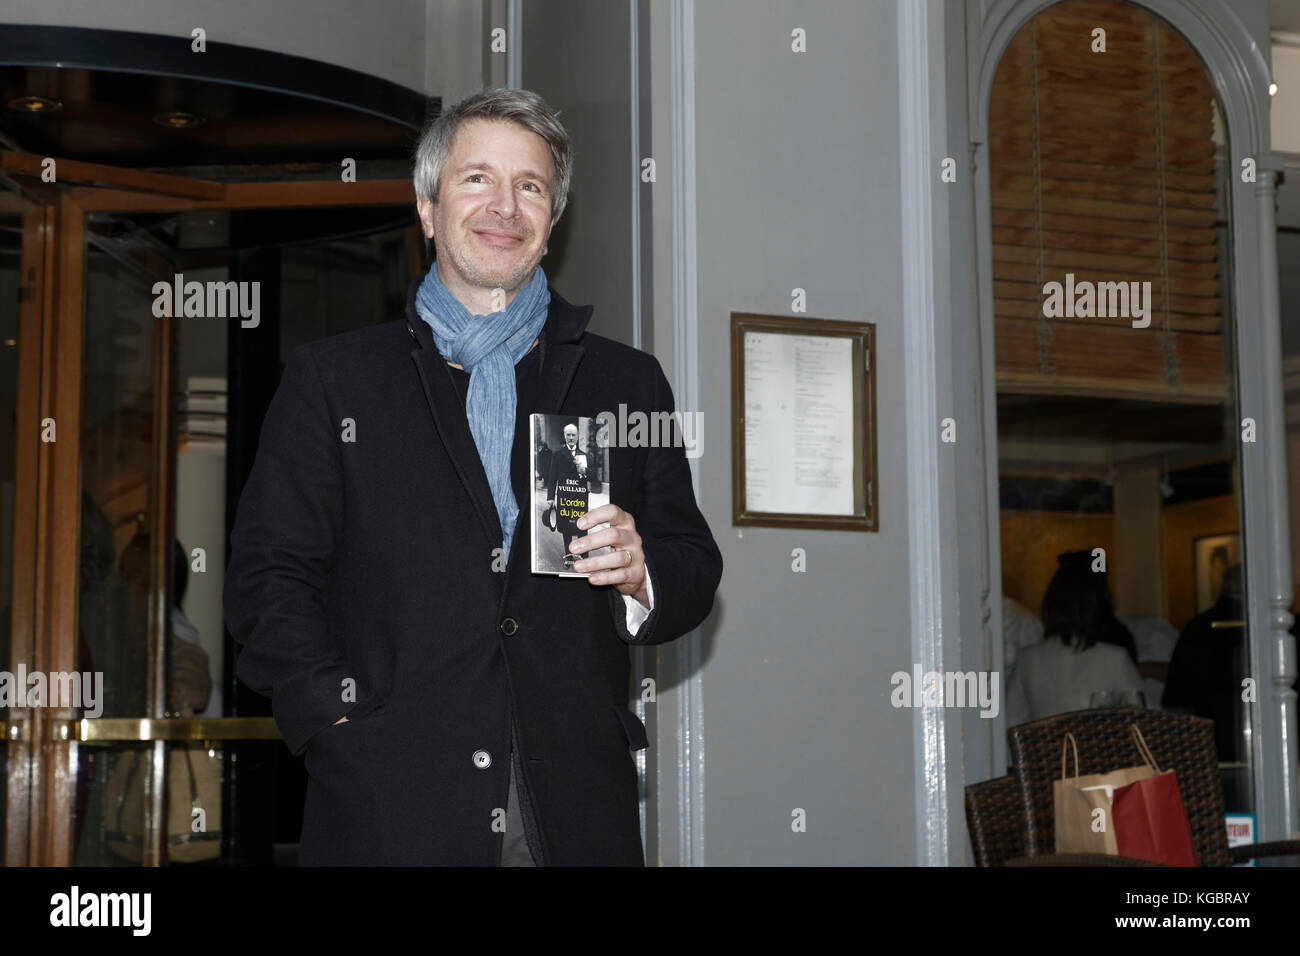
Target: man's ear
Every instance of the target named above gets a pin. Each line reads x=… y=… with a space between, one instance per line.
x=424 y=208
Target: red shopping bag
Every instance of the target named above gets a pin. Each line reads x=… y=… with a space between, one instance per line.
x=1149 y=820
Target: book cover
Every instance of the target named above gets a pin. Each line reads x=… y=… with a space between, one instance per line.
x=570 y=467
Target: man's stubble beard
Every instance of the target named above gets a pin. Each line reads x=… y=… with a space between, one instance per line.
x=468 y=266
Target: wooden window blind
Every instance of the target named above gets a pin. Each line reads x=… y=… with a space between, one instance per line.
x=1103 y=165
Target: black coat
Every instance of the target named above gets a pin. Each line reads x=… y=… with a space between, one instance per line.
x=372 y=561
x=1206 y=671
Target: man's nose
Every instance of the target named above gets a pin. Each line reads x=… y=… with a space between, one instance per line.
x=504 y=201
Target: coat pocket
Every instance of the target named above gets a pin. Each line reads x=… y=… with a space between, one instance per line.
x=633 y=728
x=353 y=759
x=359 y=715
x=354 y=727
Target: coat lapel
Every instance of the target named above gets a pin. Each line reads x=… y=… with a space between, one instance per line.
x=564 y=326
x=562 y=360
x=453 y=428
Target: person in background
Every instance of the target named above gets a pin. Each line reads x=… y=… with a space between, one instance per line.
x=1113 y=630
x=1021 y=628
x=1074 y=661
x=1155 y=639
x=1218 y=568
x=1208 y=666
x=189 y=683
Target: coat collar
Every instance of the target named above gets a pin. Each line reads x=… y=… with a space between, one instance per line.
x=561 y=355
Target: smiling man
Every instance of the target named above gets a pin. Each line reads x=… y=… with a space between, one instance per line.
x=453 y=708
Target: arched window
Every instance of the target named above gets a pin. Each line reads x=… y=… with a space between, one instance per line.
x=1122 y=558
x=1102 y=140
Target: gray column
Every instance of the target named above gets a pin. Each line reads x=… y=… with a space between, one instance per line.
x=1268 y=548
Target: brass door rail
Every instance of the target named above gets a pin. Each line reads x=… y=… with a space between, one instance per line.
x=109 y=729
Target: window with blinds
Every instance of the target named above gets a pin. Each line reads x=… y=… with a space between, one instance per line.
x=1103 y=167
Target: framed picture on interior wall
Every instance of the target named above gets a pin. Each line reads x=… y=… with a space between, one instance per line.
x=1213 y=554
x=803 y=418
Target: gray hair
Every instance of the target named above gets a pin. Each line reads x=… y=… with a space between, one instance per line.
x=518 y=106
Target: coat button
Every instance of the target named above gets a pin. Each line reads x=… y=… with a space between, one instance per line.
x=509 y=626
x=482 y=759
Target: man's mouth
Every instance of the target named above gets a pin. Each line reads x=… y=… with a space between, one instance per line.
x=495 y=237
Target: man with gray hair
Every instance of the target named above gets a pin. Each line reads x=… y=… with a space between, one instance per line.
x=453 y=708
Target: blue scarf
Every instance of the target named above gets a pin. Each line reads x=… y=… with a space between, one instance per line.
x=489 y=347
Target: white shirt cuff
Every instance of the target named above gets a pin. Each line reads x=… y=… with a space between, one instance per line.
x=636 y=611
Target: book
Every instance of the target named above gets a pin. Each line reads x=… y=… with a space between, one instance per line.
x=569 y=462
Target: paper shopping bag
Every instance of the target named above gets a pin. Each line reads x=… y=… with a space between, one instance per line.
x=1082 y=805
x=1150 y=820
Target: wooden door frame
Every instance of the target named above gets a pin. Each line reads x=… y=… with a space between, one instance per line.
x=35 y=307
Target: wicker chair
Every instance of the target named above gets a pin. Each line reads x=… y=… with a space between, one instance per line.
x=1178 y=742
x=995 y=817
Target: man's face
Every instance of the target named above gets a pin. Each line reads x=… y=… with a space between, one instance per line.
x=493 y=214
x=570 y=435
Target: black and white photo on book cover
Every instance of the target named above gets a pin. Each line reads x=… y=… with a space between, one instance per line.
x=570 y=463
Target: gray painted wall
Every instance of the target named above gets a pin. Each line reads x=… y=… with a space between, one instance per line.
x=576 y=55
x=457 y=56
x=797 y=173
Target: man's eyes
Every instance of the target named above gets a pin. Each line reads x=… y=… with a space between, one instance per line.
x=472 y=177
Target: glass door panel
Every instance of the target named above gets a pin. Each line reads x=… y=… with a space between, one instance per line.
x=23 y=223
x=120 y=498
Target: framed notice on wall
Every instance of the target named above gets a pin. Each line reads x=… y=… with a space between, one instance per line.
x=803 y=410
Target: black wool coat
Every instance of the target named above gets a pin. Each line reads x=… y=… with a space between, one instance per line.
x=363 y=581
